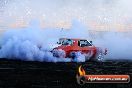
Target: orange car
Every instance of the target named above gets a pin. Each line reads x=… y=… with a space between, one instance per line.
x=70 y=47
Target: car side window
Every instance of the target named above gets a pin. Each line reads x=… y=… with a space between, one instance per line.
x=83 y=43
x=67 y=42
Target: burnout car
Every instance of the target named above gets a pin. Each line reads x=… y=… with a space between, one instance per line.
x=68 y=48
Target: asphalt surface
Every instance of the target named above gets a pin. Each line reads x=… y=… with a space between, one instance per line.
x=16 y=74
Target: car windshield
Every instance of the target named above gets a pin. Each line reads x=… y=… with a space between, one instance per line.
x=67 y=42
x=83 y=43
x=60 y=41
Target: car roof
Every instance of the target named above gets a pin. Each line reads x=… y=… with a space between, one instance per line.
x=75 y=39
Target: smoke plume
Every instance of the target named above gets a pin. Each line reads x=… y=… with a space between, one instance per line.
x=35 y=44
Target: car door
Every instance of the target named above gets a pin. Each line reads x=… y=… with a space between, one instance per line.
x=84 y=46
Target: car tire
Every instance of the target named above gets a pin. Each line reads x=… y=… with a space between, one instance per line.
x=59 y=53
x=99 y=55
x=73 y=54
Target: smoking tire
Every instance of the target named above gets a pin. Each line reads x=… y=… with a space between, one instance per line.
x=59 y=53
x=73 y=54
x=88 y=55
x=99 y=56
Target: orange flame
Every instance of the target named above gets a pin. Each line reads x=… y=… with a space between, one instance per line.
x=81 y=71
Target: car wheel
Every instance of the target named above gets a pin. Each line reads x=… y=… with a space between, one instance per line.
x=99 y=56
x=73 y=54
x=59 y=53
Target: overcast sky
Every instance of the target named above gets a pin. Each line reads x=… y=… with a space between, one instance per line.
x=97 y=14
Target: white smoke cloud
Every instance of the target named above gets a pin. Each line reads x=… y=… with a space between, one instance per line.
x=118 y=45
x=34 y=44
